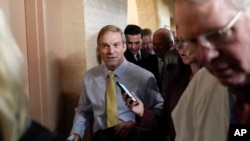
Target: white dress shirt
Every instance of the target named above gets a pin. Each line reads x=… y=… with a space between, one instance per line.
x=202 y=113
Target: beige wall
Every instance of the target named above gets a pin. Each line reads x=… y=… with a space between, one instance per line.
x=70 y=38
x=152 y=14
x=163 y=13
x=132 y=17
x=66 y=63
x=147 y=14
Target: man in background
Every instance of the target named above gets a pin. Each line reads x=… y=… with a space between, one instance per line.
x=147 y=40
x=163 y=41
x=136 y=54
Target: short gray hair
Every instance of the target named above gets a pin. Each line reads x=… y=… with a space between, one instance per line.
x=108 y=28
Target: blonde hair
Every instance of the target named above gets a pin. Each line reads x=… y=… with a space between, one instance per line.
x=14 y=112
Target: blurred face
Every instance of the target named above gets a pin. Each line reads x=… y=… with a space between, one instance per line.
x=226 y=53
x=188 y=54
x=134 y=43
x=161 y=46
x=111 y=49
x=147 y=43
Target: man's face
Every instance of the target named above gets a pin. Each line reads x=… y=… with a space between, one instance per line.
x=134 y=43
x=228 y=56
x=147 y=43
x=111 y=49
x=161 y=45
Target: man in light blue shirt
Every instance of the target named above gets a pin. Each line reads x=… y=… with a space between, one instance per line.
x=111 y=48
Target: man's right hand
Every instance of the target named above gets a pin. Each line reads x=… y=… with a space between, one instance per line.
x=135 y=107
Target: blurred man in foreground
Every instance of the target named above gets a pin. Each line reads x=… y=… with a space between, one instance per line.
x=218 y=97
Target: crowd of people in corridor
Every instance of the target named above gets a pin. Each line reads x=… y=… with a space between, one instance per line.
x=192 y=84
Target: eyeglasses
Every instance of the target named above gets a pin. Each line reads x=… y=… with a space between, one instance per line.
x=217 y=38
x=180 y=44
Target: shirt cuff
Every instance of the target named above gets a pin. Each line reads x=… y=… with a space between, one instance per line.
x=70 y=138
x=147 y=121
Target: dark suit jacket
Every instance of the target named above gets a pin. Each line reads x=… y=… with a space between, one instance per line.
x=130 y=57
x=138 y=134
x=148 y=62
x=178 y=79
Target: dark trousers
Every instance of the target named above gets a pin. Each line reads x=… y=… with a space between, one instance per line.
x=109 y=135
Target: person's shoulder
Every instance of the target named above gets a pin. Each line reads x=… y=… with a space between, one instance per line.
x=204 y=83
x=204 y=74
x=173 y=52
x=95 y=70
x=145 y=54
x=172 y=68
x=132 y=66
x=149 y=61
x=134 y=69
x=152 y=56
x=128 y=53
x=129 y=56
x=202 y=77
x=37 y=132
x=171 y=56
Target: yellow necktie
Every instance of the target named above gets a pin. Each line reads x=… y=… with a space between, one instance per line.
x=111 y=102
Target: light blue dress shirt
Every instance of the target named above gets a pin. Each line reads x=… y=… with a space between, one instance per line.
x=92 y=99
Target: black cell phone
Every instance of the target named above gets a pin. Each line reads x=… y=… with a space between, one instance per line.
x=124 y=89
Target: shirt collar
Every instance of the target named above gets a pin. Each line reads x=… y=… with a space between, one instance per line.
x=119 y=70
